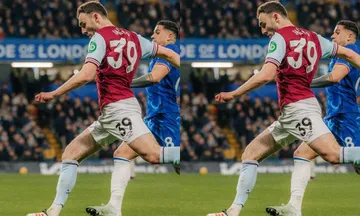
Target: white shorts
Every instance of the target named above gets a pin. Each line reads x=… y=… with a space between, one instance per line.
x=300 y=120
x=120 y=120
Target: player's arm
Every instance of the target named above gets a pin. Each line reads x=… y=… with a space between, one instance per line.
x=155 y=76
x=276 y=54
x=96 y=53
x=151 y=49
x=331 y=49
x=86 y=74
x=349 y=55
x=335 y=76
x=169 y=55
x=266 y=74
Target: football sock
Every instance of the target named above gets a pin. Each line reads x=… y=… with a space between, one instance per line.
x=246 y=181
x=350 y=155
x=299 y=180
x=169 y=154
x=66 y=183
x=119 y=181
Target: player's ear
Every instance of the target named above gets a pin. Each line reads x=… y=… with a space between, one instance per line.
x=276 y=16
x=96 y=16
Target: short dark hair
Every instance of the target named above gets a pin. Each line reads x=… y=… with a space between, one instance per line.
x=350 y=25
x=90 y=7
x=272 y=7
x=170 y=25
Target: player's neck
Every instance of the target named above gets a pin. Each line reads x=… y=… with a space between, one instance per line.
x=106 y=23
x=350 y=42
x=286 y=23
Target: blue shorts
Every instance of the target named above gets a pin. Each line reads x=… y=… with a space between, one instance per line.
x=346 y=128
x=166 y=128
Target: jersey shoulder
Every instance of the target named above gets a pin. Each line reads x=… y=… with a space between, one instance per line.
x=173 y=47
x=113 y=32
x=353 y=47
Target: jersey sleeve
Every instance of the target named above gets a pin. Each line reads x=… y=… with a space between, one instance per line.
x=344 y=62
x=148 y=49
x=328 y=48
x=96 y=50
x=172 y=47
x=276 y=50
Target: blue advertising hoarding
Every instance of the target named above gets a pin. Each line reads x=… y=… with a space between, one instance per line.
x=43 y=50
x=75 y=50
x=250 y=50
x=244 y=51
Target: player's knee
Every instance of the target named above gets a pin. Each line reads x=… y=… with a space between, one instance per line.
x=67 y=155
x=298 y=153
x=332 y=158
x=152 y=158
x=117 y=153
x=247 y=155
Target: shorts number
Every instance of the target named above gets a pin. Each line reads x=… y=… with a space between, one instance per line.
x=304 y=122
x=125 y=122
x=119 y=44
x=299 y=46
x=169 y=142
x=349 y=142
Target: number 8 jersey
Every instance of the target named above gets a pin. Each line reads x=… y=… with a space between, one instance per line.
x=341 y=98
x=297 y=52
x=161 y=98
x=117 y=52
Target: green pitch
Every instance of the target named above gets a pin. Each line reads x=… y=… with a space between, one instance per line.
x=150 y=195
x=172 y=195
x=328 y=195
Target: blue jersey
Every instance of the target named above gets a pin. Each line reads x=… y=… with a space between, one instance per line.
x=161 y=98
x=166 y=128
x=341 y=97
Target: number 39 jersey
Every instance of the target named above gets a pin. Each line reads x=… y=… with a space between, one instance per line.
x=341 y=97
x=117 y=52
x=296 y=52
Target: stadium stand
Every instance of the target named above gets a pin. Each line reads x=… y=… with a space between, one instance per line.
x=39 y=132
x=237 y=19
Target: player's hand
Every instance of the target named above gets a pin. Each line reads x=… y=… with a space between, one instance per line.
x=224 y=97
x=44 y=97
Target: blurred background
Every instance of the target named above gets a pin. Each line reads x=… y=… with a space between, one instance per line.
x=41 y=46
x=222 y=47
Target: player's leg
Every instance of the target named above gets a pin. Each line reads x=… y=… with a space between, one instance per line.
x=312 y=172
x=260 y=148
x=123 y=120
x=121 y=174
x=299 y=180
x=301 y=174
x=78 y=149
x=119 y=181
x=132 y=166
x=346 y=129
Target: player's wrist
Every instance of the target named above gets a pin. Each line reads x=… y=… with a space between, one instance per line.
x=55 y=93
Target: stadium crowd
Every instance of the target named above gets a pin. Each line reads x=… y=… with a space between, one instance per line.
x=142 y=16
x=57 y=19
x=237 y=19
x=21 y=138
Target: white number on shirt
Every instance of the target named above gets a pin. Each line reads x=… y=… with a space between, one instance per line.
x=119 y=44
x=357 y=84
x=177 y=84
x=299 y=44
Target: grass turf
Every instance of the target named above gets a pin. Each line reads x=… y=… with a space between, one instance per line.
x=173 y=195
